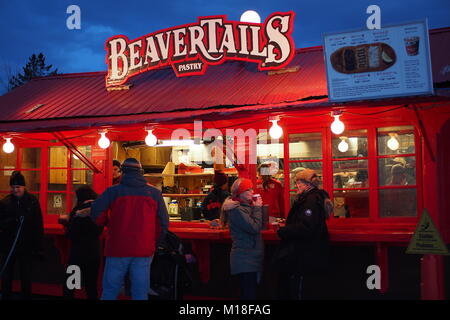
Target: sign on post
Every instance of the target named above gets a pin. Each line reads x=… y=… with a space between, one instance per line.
x=426 y=238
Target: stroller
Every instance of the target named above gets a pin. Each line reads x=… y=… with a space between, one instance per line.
x=169 y=277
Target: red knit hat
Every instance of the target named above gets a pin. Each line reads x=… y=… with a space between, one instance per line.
x=245 y=185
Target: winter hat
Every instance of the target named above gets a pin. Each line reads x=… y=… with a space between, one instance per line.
x=306 y=175
x=131 y=165
x=116 y=163
x=85 y=193
x=220 y=178
x=17 y=179
x=240 y=186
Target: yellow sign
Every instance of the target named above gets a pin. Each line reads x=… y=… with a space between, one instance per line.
x=426 y=238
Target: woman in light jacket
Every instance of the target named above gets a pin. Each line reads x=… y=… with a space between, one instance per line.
x=243 y=215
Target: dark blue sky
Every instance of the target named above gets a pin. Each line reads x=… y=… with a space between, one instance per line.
x=28 y=27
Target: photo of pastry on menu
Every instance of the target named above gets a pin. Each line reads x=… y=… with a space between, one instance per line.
x=363 y=58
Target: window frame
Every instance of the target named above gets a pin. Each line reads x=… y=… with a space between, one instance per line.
x=372 y=158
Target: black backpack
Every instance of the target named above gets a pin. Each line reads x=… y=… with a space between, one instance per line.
x=170 y=277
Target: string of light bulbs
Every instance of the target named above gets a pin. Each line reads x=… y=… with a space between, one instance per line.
x=275 y=132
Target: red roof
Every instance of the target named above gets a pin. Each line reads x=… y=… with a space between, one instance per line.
x=81 y=100
x=231 y=85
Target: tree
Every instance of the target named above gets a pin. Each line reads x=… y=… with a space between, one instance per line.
x=7 y=71
x=35 y=67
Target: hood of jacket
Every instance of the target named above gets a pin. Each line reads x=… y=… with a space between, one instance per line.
x=133 y=179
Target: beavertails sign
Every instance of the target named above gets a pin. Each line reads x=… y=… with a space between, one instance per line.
x=190 y=48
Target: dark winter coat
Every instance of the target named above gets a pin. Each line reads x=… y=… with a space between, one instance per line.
x=213 y=202
x=85 y=236
x=32 y=233
x=305 y=242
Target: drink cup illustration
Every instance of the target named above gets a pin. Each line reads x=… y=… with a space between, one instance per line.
x=412 y=46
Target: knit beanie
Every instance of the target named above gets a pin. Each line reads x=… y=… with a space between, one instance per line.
x=85 y=193
x=240 y=186
x=220 y=178
x=131 y=165
x=17 y=179
x=307 y=176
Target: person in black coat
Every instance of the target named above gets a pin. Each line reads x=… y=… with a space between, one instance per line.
x=85 y=251
x=303 y=255
x=214 y=200
x=16 y=207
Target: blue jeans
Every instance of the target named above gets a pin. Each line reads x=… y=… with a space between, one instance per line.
x=114 y=275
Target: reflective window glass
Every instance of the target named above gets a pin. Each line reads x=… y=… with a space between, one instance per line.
x=399 y=171
x=351 y=174
x=351 y=204
x=305 y=146
x=350 y=144
x=31 y=158
x=295 y=167
x=398 y=202
x=396 y=140
x=57 y=157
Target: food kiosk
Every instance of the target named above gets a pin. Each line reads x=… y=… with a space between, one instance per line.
x=55 y=124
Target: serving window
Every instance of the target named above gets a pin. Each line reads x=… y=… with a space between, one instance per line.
x=271 y=151
x=8 y=163
x=29 y=166
x=305 y=151
x=397 y=172
x=369 y=173
x=66 y=172
x=351 y=174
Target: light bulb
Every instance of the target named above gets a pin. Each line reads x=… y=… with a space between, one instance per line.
x=393 y=142
x=337 y=127
x=275 y=131
x=343 y=145
x=150 y=139
x=8 y=147
x=250 y=16
x=103 y=142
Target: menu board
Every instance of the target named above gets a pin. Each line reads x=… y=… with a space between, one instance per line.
x=372 y=64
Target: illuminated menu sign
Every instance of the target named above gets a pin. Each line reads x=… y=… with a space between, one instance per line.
x=371 y=64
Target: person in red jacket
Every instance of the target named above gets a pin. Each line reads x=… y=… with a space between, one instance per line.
x=137 y=219
x=270 y=189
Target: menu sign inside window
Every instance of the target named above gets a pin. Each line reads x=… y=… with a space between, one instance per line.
x=372 y=64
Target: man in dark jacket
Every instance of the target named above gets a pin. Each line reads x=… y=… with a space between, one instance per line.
x=214 y=200
x=16 y=207
x=137 y=220
x=304 y=248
